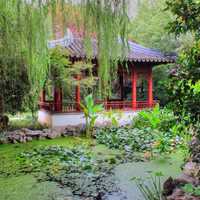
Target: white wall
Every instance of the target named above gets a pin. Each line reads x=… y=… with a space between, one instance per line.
x=66 y=119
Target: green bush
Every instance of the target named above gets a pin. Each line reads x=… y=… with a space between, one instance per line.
x=162 y=119
x=23 y=120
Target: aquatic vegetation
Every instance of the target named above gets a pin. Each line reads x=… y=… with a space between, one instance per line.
x=134 y=139
x=151 y=187
x=75 y=168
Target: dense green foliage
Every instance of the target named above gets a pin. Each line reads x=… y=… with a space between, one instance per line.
x=186 y=16
x=23 y=48
x=157 y=118
x=65 y=74
x=14 y=85
x=184 y=80
x=192 y=190
x=161 y=80
x=185 y=76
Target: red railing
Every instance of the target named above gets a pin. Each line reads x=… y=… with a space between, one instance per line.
x=64 y=107
x=111 y=104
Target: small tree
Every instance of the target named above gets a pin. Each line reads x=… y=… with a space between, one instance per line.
x=90 y=111
x=63 y=73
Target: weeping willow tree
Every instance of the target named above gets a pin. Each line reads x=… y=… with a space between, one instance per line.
x=107 y=21
x=23 y=36
x=25 y=29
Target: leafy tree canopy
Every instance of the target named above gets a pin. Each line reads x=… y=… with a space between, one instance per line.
x=183 y=88
x=186 y=16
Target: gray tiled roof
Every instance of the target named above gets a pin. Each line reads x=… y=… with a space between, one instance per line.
x=136 y=52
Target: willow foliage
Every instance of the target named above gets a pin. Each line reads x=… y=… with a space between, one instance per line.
x=107 y=21
x=25 y=29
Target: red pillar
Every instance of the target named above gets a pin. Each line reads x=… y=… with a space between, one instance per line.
x=121 y=82
x=60 y=100
x=57 y=99
x=42 y=99
x=134 y=88
x=78 y=94
x=42 y=96
x=150 y=88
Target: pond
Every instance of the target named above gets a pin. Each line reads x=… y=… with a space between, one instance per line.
x=168 y=166
x=26 y=187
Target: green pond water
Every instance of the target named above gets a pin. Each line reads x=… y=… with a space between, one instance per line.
x=26 y=187
x=170 y=166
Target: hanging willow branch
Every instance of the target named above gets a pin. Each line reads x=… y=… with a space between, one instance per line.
x=26 y=27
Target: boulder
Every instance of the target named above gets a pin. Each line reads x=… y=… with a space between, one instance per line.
x=53 y=133
x=169 y=186
x=34 y=134
x=178 y=194
x=192 y=169
x=194 y=146
x=74 y=130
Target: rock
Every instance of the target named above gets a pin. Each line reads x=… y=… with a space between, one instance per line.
x=192 y=169
x=22 y=139
x=34 y=134
x=74 y=130
x=168 y=186
x=53 y=133
x=184 y=179
x=194 y=146
x=23 y=135
x=194 y=142
x=4 y=140
x=28 y=139
x=178 y=194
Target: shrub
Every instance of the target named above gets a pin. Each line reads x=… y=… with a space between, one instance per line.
x=156 y=118
x=90 y=110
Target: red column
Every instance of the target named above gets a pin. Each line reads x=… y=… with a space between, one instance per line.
x=42 y=96
x=60 y=100
x=42 y=99
x=78 y=94
x=121 y=82
x=57 y=99
x=134 y=88
x=55 y=96
x=150 y=88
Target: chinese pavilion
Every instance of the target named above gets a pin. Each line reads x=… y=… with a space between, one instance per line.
x=139 y=61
